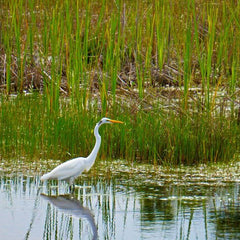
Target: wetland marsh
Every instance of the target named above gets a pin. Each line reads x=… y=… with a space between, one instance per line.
x=169 y=70
x=171 y=67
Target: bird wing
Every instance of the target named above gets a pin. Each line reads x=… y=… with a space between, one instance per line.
x=66 y=170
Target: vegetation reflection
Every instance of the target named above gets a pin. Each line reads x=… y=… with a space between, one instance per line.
x=69 y=206
x=111 y=208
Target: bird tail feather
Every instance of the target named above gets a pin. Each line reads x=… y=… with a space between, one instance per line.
x=45 y=177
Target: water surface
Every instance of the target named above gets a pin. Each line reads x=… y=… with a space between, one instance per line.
x=133 y=204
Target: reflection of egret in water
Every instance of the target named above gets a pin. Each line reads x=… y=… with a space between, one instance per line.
x=71 y=206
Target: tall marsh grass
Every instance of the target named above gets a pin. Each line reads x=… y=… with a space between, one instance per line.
x=161 y=137
x=169 y=69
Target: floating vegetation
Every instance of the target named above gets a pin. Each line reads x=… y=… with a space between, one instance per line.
x=137 y=174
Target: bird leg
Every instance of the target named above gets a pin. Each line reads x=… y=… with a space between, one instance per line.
x=71 y=185
x=71 y=188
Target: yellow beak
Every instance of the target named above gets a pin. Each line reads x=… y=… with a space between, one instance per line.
x=115 y=121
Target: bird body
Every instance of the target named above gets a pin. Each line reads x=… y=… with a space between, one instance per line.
x=67 y=171
x=71 y=169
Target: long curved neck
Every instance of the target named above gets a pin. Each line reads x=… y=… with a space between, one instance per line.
x=93 y=154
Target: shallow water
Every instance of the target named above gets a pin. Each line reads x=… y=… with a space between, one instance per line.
x=122 y=206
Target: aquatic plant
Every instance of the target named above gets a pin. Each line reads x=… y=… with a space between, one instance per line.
x=168 y=69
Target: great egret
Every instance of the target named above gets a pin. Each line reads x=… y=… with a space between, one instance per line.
x=71 y=169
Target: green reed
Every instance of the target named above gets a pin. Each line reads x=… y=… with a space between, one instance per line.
x=83 y=48
x=81 y=33
x=28 y=129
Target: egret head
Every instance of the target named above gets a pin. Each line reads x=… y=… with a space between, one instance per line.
x=107 y=120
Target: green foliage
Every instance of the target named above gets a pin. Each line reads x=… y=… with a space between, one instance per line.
x=160 y=137
x=82 y=49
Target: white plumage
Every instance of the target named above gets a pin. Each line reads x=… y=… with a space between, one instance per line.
x=71 y=169
x=67 y=170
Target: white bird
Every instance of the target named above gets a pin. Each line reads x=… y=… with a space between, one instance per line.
x=71 y=169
